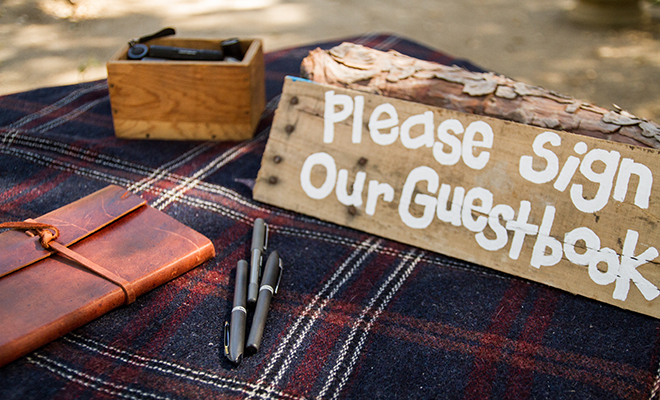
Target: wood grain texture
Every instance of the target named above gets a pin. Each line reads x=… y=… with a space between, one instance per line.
x=297 y=133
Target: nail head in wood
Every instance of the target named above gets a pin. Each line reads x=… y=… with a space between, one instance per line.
x=277 y=159
x=272 y=180
x=289 y=129
x=362 y=161
x=294 y=100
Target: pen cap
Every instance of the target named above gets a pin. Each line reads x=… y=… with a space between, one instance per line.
x=272 y=271
x=259 y=234
x=241 y=283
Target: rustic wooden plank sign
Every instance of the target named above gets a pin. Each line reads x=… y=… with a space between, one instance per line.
x=569 y=211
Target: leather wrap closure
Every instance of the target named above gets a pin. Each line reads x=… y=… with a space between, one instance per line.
x=50 y=234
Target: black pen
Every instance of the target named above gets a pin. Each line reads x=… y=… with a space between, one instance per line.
x=235 y=333
x=269 y=285
x=259 y=244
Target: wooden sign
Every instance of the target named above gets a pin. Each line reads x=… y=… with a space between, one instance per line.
x=569 y=211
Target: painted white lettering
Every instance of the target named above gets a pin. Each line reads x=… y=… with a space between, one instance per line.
x=417 y=175
x=501 y=236
x=628 y=270
x=552 y=162
x=453 y=213
x=485 y=202
x=643 y=193
x=355 y=198
x=331 y=116
x=611 y=259
x=591 y=245
x=570 y=167
x=544 y=242
x=603 y=179
x=470 y=143
x=376 y=189
x=425 y=139
x=454 y=155
x=520 y=228
x=567 y=173
x=325 y=160
x=375 y=124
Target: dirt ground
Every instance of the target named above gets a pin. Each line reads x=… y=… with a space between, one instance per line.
x=56 y=42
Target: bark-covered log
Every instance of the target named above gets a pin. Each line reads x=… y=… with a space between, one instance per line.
x=396 y=75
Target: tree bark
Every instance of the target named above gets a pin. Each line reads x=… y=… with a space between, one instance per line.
x=393 y=74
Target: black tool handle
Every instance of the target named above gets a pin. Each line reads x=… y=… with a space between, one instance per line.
x=161 y=33
x=181 y=53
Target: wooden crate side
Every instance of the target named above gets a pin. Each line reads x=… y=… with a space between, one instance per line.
x=257 y=81
x=177 y=92
x=141 y=129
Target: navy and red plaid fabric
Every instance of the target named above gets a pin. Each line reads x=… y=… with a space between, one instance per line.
x=357 y=316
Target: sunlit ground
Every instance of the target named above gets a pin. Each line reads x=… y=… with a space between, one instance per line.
x=56 y=42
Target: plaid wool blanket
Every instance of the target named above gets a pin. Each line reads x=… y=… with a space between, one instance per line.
x=356 y=317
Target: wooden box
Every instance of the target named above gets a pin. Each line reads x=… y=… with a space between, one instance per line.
x=187 y=100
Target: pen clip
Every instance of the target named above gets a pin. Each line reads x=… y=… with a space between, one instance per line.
x=266 y=236
x=279 y=277
x=226 y=335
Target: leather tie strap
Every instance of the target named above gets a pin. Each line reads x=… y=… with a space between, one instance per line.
x=48 y=233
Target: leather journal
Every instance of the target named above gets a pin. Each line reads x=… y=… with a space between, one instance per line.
x=74 y=264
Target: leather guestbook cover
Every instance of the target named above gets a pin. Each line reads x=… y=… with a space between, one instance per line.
x=46 y=293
